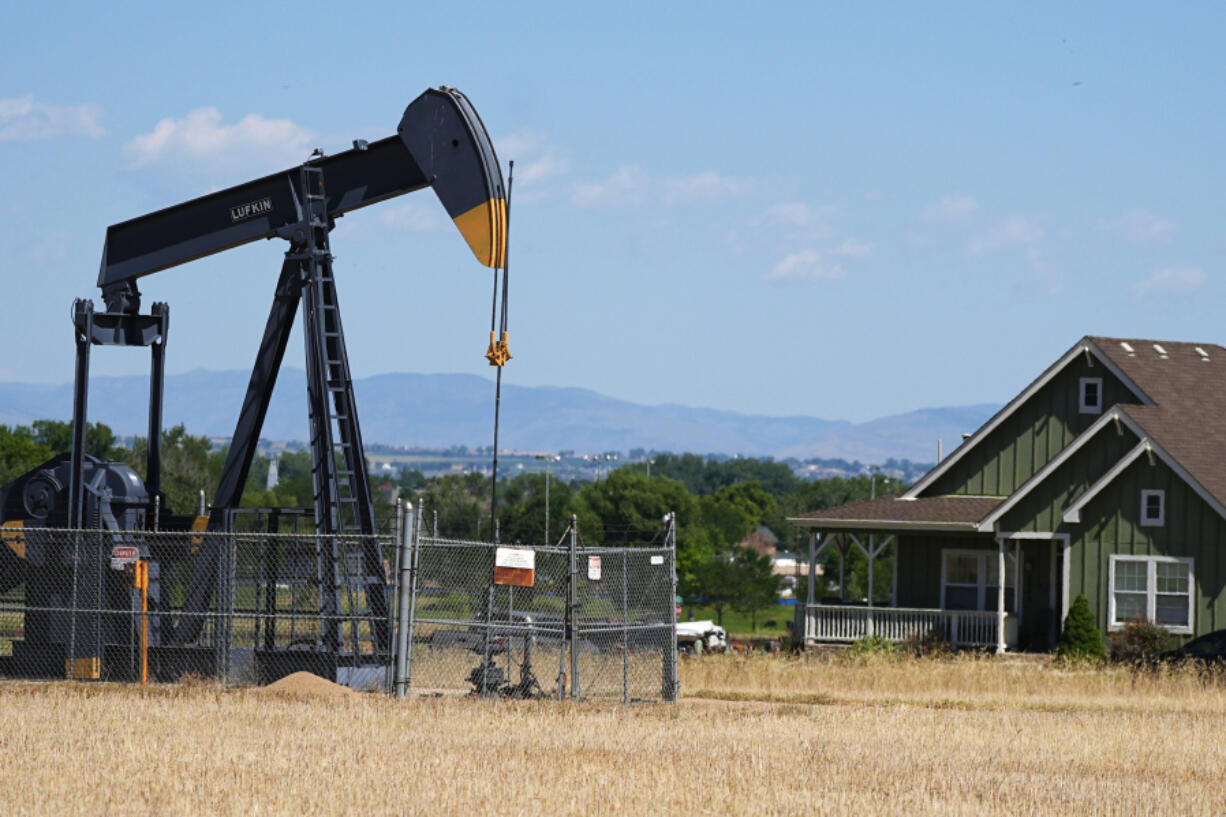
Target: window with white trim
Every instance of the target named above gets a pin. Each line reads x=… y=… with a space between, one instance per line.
x=969 y=579
x=1157 y=589
x=1153 y=508
x=1090 y=396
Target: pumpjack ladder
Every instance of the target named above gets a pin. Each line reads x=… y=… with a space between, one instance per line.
x=343 y=505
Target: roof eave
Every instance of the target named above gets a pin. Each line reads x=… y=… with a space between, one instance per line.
x=883 y=524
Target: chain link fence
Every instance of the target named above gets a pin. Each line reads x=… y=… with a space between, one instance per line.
x=406 y=612
x=542 y=621
x=240 y=607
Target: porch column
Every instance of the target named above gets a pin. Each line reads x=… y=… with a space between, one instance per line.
x=1000 y=595
x=811 y=595
x=871 y=559
x=810 y=633
x=842 y=572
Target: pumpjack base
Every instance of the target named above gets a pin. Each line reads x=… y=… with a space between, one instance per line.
x=172 y=664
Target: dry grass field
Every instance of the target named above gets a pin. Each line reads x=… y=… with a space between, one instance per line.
x=754 y=736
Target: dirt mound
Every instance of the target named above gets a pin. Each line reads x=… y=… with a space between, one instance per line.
x=309 y=685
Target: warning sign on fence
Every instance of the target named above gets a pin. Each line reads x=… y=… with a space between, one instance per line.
x=515 y=567
x=122 y=556
x=593 y=568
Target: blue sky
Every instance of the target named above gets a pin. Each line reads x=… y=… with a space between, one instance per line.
x=794 y=209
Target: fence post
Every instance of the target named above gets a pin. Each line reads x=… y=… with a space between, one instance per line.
x=402 y=602
x=393 y=597
x=625 y=628
x=573 y=605
x=672 y=686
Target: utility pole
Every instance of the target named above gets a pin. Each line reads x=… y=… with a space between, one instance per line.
x=548 y=458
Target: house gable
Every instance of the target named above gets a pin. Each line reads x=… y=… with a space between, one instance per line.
x=1041 y=508
x=1111 y=526
x=1029 y=432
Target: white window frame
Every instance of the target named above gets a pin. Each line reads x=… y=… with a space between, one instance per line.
x=1151 y=591
x=1149 y=521
x=1082 y=405
x=981 y=576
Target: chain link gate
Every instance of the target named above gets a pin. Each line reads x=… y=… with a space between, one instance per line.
x=538 y=621
x=244 y=608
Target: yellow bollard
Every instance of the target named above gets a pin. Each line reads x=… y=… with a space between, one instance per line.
x=142 y=584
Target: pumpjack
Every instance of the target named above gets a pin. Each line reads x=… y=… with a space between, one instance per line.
x=440 y=143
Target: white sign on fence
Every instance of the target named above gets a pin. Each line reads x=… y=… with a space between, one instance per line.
x=593 y=568
x=515 y=566
x=657 y=560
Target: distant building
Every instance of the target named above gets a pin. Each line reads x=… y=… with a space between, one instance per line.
x=763 y=540
x=389 y=491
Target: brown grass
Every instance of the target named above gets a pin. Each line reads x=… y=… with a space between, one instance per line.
x=761 y=736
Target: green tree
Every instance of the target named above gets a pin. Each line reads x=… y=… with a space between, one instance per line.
x=20 y=452
x=1080 y=639
x=628 y=507
x=521 y=503
x=410 y=480
x=706 y=475
x=462 y=502
x=185 y=467
x=759 y=586
x=739 y=578
x=57 y=435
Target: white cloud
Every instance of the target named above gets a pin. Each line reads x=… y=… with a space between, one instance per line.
x=950 y=208
x=812 y=223
x=1012 y=232
x=202 y=142
x=851 y=248
x=1140 y=227
x=536 y=161
x=1172 y=281
x=49 y=249
x=703 y=187
x=625 y=185
x=630 y=184
x=806 y=265
x=412 y=216
x=24 y=120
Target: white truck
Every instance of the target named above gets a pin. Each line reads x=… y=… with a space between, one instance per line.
x=701 y=636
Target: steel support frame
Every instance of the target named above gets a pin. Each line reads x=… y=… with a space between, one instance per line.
x=306 y=282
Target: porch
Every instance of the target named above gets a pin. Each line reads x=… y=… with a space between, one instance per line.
x=837 y=623
x=944 y=577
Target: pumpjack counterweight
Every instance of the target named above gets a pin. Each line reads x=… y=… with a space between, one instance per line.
x=441 y=143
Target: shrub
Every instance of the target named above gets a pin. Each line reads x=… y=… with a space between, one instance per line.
x=870 y=647
x=931 y=644
x=1139 y=640
x=1080 y=639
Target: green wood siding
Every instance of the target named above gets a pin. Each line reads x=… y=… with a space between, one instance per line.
x=1029 y=438
x=1042 y=510
x=919 y=566
x=1111 y=525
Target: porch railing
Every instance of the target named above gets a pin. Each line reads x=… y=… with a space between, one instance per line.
x=960 y=628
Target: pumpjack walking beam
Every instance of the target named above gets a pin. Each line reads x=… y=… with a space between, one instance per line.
x=440 y=143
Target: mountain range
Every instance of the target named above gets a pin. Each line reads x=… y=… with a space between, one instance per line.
x=440 y=410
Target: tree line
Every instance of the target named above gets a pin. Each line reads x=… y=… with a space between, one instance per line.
x=718 y=504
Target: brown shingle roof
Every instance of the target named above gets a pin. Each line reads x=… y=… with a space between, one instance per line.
x=1186 y=382
x=1189 y=392
x=938 y=511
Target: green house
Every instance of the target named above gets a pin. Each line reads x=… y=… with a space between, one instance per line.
x=1102 y=477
